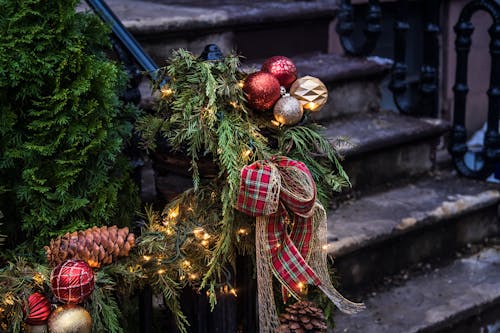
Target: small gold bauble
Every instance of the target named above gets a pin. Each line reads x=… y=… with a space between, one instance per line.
x=311 y=93
x=36 y=329
x=288 y=110
x=70 y=318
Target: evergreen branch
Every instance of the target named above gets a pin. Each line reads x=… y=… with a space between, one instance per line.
x=104 y=309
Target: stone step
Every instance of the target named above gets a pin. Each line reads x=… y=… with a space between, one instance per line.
x=439 y=301
x=254 y=28
x=382 y=233
x=385 y=147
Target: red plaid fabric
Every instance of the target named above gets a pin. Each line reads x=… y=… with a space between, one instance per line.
x=287 y=251
x=255 y=189
x=287 y=261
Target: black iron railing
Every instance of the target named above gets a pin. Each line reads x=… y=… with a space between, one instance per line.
x=425 y=101
x=485 y=161
x=345 y=28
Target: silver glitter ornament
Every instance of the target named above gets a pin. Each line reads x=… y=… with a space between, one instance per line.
x=288 y=110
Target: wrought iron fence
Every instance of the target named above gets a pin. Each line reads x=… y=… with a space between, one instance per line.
x=488 y=158
x=427 y=101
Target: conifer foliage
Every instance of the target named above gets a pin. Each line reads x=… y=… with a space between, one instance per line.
x=62 y=126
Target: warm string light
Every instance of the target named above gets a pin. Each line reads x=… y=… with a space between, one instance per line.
x=173 y=213
x=242 y=232
x=202 y=235
x=186 y=265
x=311 y=106
x=146 y=258
x=226 y=289
x=166 y=92
x=275 y=123
x=301 y=286
x=246 y=154
x=38 y=278
x=241 y=84
x=8 y=300
x=198 y=232
x=161 y=271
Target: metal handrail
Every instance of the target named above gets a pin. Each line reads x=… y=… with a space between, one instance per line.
x=127 y=41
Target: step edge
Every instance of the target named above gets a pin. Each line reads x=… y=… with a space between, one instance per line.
x=438 y=128
x=351 y=244
x=473 y=307
x=459 y=316
x=184 y=24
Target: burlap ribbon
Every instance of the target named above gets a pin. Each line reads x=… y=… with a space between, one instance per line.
x=290 y=234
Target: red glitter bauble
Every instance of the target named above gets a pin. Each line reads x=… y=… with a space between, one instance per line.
x=262 y=90
x=38 y=309
x=72 y=281
x=281 y=68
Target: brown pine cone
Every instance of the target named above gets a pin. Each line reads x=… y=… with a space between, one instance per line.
x=96 y=246
x=302 y=317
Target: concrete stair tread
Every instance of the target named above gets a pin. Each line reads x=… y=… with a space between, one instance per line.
x=153 y=17
x=377 y=130
x=431 y=302
x=387 y=215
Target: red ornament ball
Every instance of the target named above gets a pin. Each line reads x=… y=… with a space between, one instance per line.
x=72 y=281
x=38 y=309
x=281 y=68
x=262 y=90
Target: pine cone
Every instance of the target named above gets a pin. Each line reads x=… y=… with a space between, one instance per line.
x=302 y=317
x=96 y=246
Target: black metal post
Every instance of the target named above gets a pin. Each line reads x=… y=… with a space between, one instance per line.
x=490 y=155
x=426 y=104
x=345 y=28
x=430 y=67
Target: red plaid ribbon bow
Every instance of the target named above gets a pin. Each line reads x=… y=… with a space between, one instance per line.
x=278 y=192
x=271 y=189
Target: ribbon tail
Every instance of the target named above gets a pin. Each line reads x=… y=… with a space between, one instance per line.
x=319 y=263
x=268 y=316
x=342 y=303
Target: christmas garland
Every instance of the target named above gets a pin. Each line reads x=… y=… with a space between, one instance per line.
x=216 y=115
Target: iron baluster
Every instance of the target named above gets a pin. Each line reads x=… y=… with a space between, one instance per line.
x=489 y=156
x=426 y=103
x=430 y=68
x=345 y=28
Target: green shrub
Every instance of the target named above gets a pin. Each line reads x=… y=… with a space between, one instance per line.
x=62 y=126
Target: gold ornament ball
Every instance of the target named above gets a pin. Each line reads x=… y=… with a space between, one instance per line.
x=36 y=329
x=288 y=110
x=311 y=93
x=70 y=318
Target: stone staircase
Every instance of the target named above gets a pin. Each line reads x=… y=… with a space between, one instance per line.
x=416 y=242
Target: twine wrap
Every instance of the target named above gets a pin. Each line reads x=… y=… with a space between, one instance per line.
x=278 y=192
